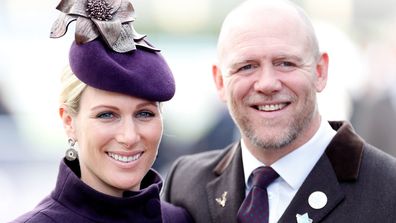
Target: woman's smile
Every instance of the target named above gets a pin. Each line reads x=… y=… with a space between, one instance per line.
x=124 y=159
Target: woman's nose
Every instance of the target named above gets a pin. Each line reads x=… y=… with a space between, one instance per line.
x=128 y=134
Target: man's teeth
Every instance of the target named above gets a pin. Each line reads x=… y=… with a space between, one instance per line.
x=125 y=159
x=273 y=107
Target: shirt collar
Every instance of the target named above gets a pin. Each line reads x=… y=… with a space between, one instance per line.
x=294 y=167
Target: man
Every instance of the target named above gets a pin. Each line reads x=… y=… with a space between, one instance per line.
x=268 y=72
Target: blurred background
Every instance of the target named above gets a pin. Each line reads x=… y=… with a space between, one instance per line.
x=360 y=36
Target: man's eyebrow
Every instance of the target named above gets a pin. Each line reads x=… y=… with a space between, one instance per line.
x=288 y=56
x=238 y=63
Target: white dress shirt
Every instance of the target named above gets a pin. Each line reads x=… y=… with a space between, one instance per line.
x=293 y=168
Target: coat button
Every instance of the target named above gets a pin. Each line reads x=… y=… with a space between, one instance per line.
x=317 y=200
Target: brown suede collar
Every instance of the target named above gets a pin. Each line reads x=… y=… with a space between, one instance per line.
x=344 y=152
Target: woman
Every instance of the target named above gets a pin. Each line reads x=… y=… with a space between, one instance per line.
x=110 y=108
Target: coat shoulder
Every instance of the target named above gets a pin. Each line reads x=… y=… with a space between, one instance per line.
x=378 y=164
x=192 y=169
x=174 y=214
x=38 y=214
x=201 y=161
x=373 y=190
x=36 y=218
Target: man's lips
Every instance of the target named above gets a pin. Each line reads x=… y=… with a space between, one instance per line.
x=272 y=107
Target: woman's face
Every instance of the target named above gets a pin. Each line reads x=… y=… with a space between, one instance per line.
x=118 y=137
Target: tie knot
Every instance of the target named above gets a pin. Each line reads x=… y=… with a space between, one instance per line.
x=263 y=176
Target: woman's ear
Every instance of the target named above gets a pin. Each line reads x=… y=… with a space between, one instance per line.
x=68 y=121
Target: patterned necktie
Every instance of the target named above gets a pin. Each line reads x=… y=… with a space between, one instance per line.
x=254 y=208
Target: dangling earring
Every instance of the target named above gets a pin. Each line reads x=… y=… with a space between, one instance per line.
x=71 y=153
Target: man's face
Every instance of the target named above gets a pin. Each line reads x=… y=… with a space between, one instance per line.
x=269 y=76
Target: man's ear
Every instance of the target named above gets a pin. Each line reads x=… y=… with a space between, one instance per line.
x=321 y=72
x=68 y=121
x=219 y=82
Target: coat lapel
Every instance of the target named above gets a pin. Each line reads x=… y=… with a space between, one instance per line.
x=227 y=191
x=315 y=182
x=340 y=163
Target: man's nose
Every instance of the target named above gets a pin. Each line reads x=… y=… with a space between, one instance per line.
x=267 y=81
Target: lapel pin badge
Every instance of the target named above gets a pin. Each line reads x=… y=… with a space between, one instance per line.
x=317 y=200
x=303 y=218
x=223 y=199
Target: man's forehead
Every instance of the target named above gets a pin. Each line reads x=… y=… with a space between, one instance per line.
x=254 y=8
x=260 y=19
x=285 y=39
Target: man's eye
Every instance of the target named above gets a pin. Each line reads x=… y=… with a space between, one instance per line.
x=286 y=64
x=105 y=115
x=246 y=67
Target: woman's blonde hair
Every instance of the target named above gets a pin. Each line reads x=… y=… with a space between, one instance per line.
x=71 y=91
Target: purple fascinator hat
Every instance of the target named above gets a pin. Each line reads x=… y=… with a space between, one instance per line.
x=109 y=54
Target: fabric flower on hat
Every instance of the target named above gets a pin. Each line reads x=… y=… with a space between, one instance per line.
x=110 y=19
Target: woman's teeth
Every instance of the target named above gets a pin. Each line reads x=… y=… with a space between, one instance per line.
x=124 y=159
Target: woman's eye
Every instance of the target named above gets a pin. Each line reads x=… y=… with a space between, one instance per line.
x=105 y=115
x=145 y=114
